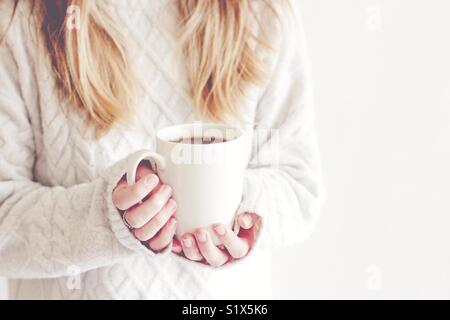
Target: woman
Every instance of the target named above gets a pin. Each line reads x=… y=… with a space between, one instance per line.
x=85 y=84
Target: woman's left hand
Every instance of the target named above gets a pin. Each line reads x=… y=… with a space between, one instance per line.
x=199 y=246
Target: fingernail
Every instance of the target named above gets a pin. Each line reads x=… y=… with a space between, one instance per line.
x=166 y=189
x=176 y=249
x=220 y=230
x=151 y=180
x=187 y=242
x=247 y=220
x=201 y=236
x=171 y=204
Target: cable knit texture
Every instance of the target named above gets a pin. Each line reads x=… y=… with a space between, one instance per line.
x=60 y=235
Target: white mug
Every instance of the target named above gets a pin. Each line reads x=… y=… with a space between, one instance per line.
x=207 y=179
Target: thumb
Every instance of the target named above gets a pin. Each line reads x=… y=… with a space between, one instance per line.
x=247 y=220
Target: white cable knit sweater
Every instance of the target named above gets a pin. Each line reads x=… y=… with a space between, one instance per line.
x=60 y=235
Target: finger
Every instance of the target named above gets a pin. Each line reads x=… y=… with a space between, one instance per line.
x=139 y=215
x=164 y=237
x=151 y=228
x=248 y=236
x=247 y=220
x=125 y=197
x=176 y=246
x=236 y=246
x=145 y=169
x=213 y=255
x=141 y=172
x=190 y=248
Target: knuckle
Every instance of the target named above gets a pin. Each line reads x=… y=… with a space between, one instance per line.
x=137 y=191
x=132 y=220
x=141 y=235
x=159 y=219
x=157 y=202
x=240 y=253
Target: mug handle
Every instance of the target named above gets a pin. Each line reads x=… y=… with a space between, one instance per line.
x=140 y=156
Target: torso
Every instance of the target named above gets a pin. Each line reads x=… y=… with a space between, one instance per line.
x=61 y=134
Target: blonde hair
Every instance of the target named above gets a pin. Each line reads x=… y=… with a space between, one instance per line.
x=215 y=38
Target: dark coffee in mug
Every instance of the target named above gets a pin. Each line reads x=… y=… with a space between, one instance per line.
x=200 y=140
x=205 y=166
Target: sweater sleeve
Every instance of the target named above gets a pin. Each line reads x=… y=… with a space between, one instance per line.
x=283 y=180
x=47 y=231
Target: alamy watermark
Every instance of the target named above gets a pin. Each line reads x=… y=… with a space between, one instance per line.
x=258 y=146
x=374 y=278
x=73 y=18
x=374 y=21
x=73 y=281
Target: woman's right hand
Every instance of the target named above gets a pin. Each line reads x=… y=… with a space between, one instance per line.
x=147 y=208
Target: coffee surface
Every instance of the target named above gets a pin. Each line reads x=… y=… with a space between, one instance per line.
x=200 y=140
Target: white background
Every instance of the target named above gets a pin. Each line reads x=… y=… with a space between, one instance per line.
x=382 y=74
